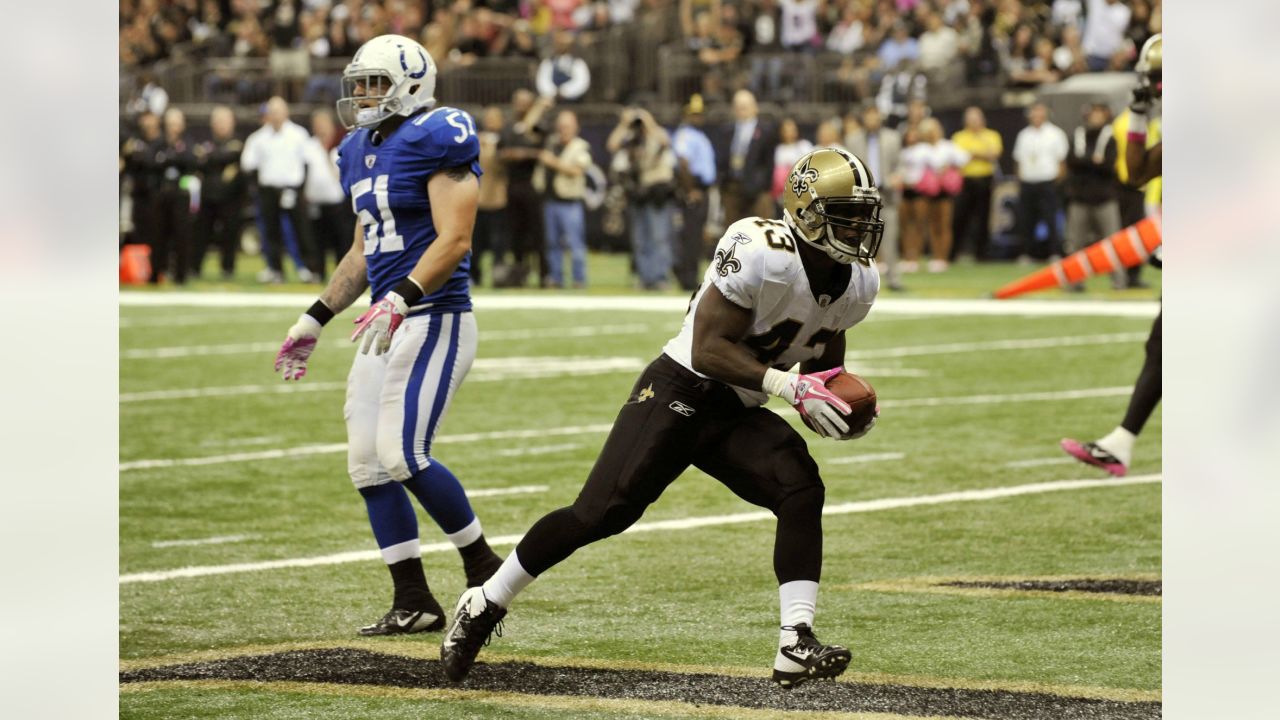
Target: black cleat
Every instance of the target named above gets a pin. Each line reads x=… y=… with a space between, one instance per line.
x=811 y=659
x=400 y=621
x=474 y=620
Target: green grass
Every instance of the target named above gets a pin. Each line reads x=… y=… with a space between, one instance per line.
x=700 y=597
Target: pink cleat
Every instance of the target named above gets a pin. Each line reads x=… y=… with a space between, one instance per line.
x=1091 y=454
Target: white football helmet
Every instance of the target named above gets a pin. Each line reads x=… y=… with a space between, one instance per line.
x=389 y=75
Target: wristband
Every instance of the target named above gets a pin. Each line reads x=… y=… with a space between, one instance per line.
x=1137 y=127
x=320 y=312
x=775 y=381
x=410 y=290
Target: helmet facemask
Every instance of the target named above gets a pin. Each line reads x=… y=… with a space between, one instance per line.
x=829 y=216
x=389 y=75
x=368 y=98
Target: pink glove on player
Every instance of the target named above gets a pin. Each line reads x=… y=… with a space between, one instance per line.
x=298 y=345
x=379 y=323
x=809 y=395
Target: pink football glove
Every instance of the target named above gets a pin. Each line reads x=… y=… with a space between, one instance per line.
x=809 y=395
x=298 y=345
x=379 y=323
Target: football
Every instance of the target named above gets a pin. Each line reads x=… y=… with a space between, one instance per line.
x=860 y=396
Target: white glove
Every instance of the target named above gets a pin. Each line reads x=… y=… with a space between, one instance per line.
x=380 y=322
x=809 y=395
x=298 y=345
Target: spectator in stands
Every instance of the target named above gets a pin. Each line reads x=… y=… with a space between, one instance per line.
x=1091 y=187
x=971 y=227
x=790 y=148
x=1105 y=25
x=643 y=164
x=277 y=156
x=695 y=174
x=717 y=45
x=1018 y=52
x=978 y=44
x=1067 y=13
x=289 y=58
x=1143 y=23
x=849 y=33
x=151 y=97
x=562 y=74
x=519 y=148
x=944 y=160
x=221 y=193
x=880 y=148
x=1040 y=152
x=800 y=39
x=939 y=47
x=562 y=171
x=900 y=47
x=563 y=13
x=828 y=134
x=1040 y=69
x=902 y=97
x=490 y=233
x=764 y=47
x=332 y=222
x=691 y=9
x=1069 y=57
x=522 y=42
x=747 y=165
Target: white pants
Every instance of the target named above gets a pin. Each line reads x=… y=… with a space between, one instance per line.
x=395 y=401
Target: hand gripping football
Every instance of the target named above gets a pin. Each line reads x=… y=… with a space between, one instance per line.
x=860 y=396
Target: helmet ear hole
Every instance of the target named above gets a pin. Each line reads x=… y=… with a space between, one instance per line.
x=413 y=89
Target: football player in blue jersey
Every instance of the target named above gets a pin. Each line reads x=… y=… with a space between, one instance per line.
x=412 y=172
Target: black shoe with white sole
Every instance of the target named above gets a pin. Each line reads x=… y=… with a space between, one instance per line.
x=474 y=620
x=809 y=659
x=400 y=621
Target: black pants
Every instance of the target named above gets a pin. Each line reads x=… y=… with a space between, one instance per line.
x=971 y=220
x=1132 y=209
x=489 y=236
x=1038 y=202
x=334 y=232
x=171 y=242
x=274 y=245
x=675 y=419
x=689 y=249
x=217 y=223
x=1149 y=388
x=524 y=217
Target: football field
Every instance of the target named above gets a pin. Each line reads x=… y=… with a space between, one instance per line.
x=971 y=567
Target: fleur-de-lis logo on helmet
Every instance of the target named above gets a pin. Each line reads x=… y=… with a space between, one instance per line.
x=801 y=176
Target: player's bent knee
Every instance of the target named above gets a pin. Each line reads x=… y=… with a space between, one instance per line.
x=392 y=458
x=806 y=502
x=600 y=524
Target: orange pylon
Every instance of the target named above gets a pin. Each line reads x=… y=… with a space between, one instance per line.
x=1124 y=249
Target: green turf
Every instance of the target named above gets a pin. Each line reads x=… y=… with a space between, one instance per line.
x=705 y=596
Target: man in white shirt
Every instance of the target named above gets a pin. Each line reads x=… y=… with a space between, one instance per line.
x=1104 y=28
x=1040 y=152
x=332 y=220
x=562 y=75
x=277 y=155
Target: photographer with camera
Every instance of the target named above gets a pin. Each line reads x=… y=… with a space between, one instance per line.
x=644 y=166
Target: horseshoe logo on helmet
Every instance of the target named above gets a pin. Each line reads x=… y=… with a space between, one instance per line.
x=405 y=66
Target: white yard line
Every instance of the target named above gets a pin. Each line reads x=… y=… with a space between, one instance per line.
x=605 y=427
x=219 y=540
x=1064 y=460
x=666 y=304
x=538 y=450
x=305 y=450
x=663 y=526
x=205 y=319
x=870 y=457
x=514 y=490
x=482 y=371
x=1021 y=344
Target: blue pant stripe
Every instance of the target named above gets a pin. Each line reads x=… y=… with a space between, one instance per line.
x=446 y=379
x=414 y=388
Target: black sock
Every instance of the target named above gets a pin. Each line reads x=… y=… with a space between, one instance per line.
x=410 y=583
x=477 y=561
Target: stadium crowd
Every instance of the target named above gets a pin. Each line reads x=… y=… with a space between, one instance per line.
x=184 y=197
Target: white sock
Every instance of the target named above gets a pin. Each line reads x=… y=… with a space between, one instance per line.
x=798 y=600
x=466 y=535
x=505 y=584
x=1118 y=442
x=400 y=552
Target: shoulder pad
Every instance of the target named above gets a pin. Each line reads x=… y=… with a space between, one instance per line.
x=446 y=136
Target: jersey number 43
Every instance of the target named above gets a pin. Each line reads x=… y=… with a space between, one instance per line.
x=375 y=215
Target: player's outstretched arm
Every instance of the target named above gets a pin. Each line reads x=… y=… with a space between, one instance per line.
x=718 y=330
x=349 y=280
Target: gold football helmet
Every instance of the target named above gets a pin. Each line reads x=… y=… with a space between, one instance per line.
x=832 y=203
x=1149 y=63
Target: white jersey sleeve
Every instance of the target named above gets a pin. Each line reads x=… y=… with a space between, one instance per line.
x=740 y=263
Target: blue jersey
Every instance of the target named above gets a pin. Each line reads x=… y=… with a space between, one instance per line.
x=387 y=184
